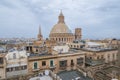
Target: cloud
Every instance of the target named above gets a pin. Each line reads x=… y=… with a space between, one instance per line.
x=95 y=17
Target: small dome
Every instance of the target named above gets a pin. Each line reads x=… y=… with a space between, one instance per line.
x=60 y=28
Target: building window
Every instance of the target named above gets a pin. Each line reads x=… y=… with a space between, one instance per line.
x=1 y=60
x=30 y=48
x=102 y=56
x=27 y=48
x=16 y=68
x=63 y=63
x=43 y=63
x=98 y=57
x=7 y=70
x=24 y=67
x=51 y=63
x=72 y=63
x=35 y=65
x=11 y=69
x=62 y=39
x=80 y=61
x=90 y=57
x=36 y=50
x=113 y=56
x=108 y=57
x=14 y=56
x=74 y=46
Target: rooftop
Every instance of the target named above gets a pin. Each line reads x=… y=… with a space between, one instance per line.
x=97 y=49
x=41 y=78
x=108 y=72
x=94 y=62
x=72 y=75
x=72 y=51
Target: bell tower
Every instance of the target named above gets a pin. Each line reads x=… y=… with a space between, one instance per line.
x=40 y=37
x=78 y=33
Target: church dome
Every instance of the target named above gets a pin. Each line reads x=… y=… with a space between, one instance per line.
x=60 y=28
x=60 y=31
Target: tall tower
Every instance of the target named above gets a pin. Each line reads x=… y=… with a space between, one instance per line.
x=78 y=33
x=40 y=37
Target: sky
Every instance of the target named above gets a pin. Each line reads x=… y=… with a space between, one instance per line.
x=98 y=18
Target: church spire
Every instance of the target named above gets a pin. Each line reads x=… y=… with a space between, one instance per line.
x=61 y=18
x=40 y=30
x=40 y=34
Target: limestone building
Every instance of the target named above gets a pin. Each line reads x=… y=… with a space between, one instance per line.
x=57 y=61
x=16 y=63
x=78 y=33
x=13 y=64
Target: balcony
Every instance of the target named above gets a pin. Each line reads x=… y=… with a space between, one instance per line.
x=93 y=62
x=51 y=67
x=63 y=68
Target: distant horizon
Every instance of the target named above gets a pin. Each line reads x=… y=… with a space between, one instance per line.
x=98 y=19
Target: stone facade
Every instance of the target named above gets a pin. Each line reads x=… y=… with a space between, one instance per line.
x=61 y=62
x=103 y=56
x=16 y=63
x=78 y=33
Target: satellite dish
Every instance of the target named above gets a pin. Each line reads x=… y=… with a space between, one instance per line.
x=46 y=72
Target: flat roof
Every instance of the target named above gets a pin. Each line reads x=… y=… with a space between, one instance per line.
x=47 y=54
x=96 y=50
x=41 y=78
x=72 y=75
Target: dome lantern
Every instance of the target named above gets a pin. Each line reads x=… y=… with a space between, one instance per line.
x=61 y=18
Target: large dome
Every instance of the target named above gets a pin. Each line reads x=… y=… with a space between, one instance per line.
x=60 y=28
x=60 y=32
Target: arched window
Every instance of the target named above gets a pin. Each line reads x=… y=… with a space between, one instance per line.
x=59 y=39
